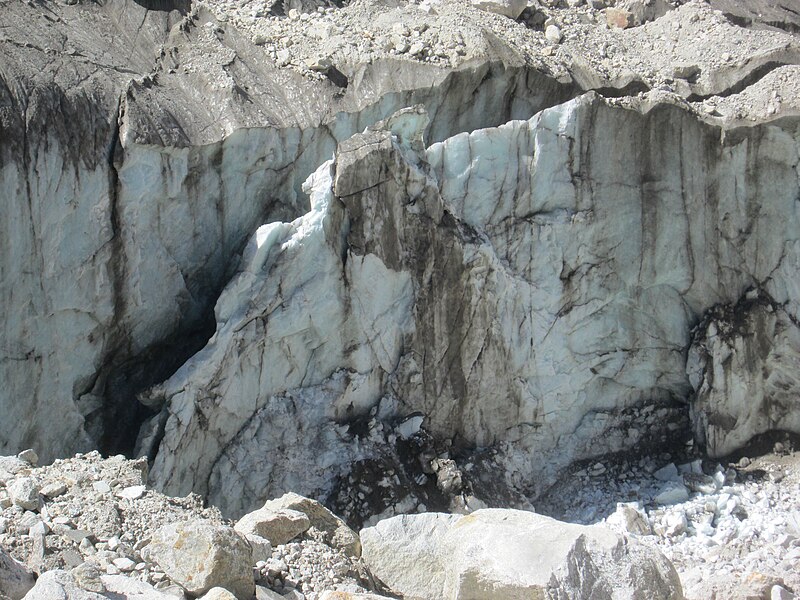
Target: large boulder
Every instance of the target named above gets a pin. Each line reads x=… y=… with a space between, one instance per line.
x=277 y=526
x=15 y=578
x=512 y=554
x=333 y=530
x=199 y=555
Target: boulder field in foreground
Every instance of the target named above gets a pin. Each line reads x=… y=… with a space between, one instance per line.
x=93 y=535
x=514 y=555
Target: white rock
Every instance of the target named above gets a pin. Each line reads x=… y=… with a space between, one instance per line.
x=101 y=487
x=780 y=593
x=629 y=518
x=124 y=564
x=133 y=492
x=263 y=593
x=54 y=489
x=501 y=553
x=329 y=595
x=29 y=456
x=63 y=585
x=127 y=588
x=261 y=548
x=672 y=493
x=553 y=34
x=410 y=426
x=676 y=523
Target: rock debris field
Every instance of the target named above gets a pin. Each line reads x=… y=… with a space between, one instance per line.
x=90 y=528
x=420 y=299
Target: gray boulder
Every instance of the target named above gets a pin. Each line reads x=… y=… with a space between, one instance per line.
x=15 y=578
x=64 y=585
x=199 y=555
x=512 y=554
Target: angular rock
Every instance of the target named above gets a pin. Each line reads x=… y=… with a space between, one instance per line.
x=667 y=473
x=630 y=519
x=704 y=484
x=15 y=578
x=29 y=456
x=24 y=492
x=686 y=70
x=261 y=548
x=335 y=531
x=199 y=555
x=780 y=593
x=54 y=489
x=263 y=593
x=10 y=466
x=120 y=587
x=60 y=584
x=502 y=553
x=276 y=525
x=508 y=8
x=672 y=493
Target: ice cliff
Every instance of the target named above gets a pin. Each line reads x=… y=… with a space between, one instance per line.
x=530 y=288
